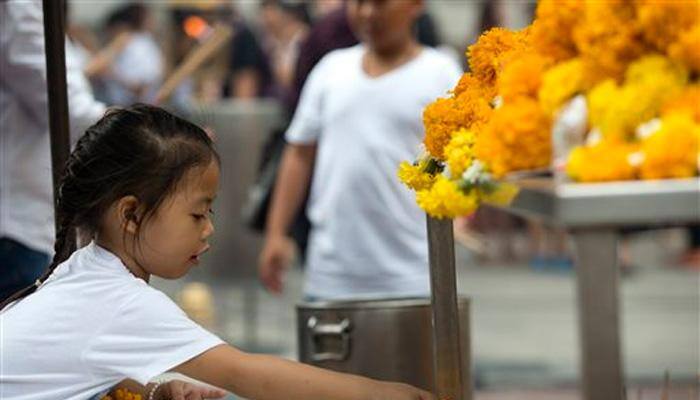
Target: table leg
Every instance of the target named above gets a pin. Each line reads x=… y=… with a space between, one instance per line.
x=598 y=307
x=449 y=382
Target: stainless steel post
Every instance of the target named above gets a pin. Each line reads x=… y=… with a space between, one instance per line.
x=449 y=384
x=598 y=278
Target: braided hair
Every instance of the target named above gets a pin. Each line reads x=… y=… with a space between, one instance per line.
x=141 y=150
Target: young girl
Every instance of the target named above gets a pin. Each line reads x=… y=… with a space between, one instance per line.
x=140 y=183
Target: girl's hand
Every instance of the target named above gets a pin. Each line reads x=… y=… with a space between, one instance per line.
x=180 y=390
x=398 y=391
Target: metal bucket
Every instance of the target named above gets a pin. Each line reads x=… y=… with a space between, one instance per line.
x=382 y=339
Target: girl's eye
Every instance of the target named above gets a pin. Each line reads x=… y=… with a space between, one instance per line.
x=202 y=216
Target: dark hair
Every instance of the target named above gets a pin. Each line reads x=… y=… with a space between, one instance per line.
x=140 y=150
x=131 y=15
x=298 y=9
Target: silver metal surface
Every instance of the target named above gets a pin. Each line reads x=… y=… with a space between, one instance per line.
x=609 y=204
x=383 y=339
x=593 y=213
x=450 y=369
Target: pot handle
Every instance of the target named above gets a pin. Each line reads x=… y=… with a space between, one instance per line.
x=340 y=329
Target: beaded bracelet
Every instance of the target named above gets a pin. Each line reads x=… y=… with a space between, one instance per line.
x=152 y=392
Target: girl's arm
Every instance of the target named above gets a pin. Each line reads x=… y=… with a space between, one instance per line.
x=262 y=377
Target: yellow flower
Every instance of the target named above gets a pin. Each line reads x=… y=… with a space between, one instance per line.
x=687 y=101
x=447 y=115
x=517 y=137
x=488 y=55
x=687 y=48
x=649 y=83
x=663 y=22
x=522 y=76
x=672 y=151
x=656 y=70
x=552 y=30
x=415 y=176
x=607 y=39
x=560 y=83
x=445 y=200
x=459 y=152
x=608 y=160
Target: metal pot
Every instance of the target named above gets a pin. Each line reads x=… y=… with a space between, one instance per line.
x=382 y=339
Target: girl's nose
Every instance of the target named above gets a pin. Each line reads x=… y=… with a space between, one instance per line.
x=208 y=230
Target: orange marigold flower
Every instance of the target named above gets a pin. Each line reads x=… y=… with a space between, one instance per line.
x=663 y=22
x=672 y=151
x=517 y=137
x=688 y=102
x=552 y=30
x=607 y=160
x=488 y=55
x=447 y=115
x=469 y=82
x=608 y=38
x=560 y=83
x=522 y=76
x=687 y=48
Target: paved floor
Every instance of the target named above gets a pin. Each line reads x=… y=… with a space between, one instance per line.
x=524 y=325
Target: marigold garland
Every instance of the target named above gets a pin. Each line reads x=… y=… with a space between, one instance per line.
x=607 y=38
x=686 y=49
x=608 y=160
x=637 y=62
x=662 y=23
x=687 y=101
x=553 y=28
x=445 y=200
x=448 y=115
x=517 y=137
x=672 y=151
x=459 y=153
x=122 y=394
x=560 y=83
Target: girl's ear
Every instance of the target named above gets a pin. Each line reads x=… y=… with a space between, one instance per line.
x=128 y=214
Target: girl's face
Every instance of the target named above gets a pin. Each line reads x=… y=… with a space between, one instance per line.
x=175 y=237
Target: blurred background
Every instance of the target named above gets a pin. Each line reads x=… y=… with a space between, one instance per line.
x=518 y=274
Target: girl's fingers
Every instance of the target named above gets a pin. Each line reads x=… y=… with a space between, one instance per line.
x=177 y=390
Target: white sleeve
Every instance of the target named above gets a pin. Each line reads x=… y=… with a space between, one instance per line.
x=22 y=61
x=83 y=108
x=149 y=335
x=306 y=126
x=23 y=68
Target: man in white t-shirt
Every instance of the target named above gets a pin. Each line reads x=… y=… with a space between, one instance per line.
x=359 y=116
x=26 y=192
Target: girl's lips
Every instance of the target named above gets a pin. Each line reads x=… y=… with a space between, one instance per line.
x=195 y=257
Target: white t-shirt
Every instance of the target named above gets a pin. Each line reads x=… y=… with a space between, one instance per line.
x=140 y=63
x=90 y=326
x=368 y=236
x=26 y=192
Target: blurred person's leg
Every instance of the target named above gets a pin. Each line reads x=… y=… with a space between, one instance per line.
x=20 y=266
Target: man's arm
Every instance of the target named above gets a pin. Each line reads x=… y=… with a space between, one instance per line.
x=291 y=186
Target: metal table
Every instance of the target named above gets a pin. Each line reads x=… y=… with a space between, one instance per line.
x=593 y=214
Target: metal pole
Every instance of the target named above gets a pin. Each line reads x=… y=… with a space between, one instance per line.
x=446 y=329
x=598 y=280
x=54 y=37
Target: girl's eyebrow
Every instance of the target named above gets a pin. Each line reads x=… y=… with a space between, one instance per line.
x=206 y=200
